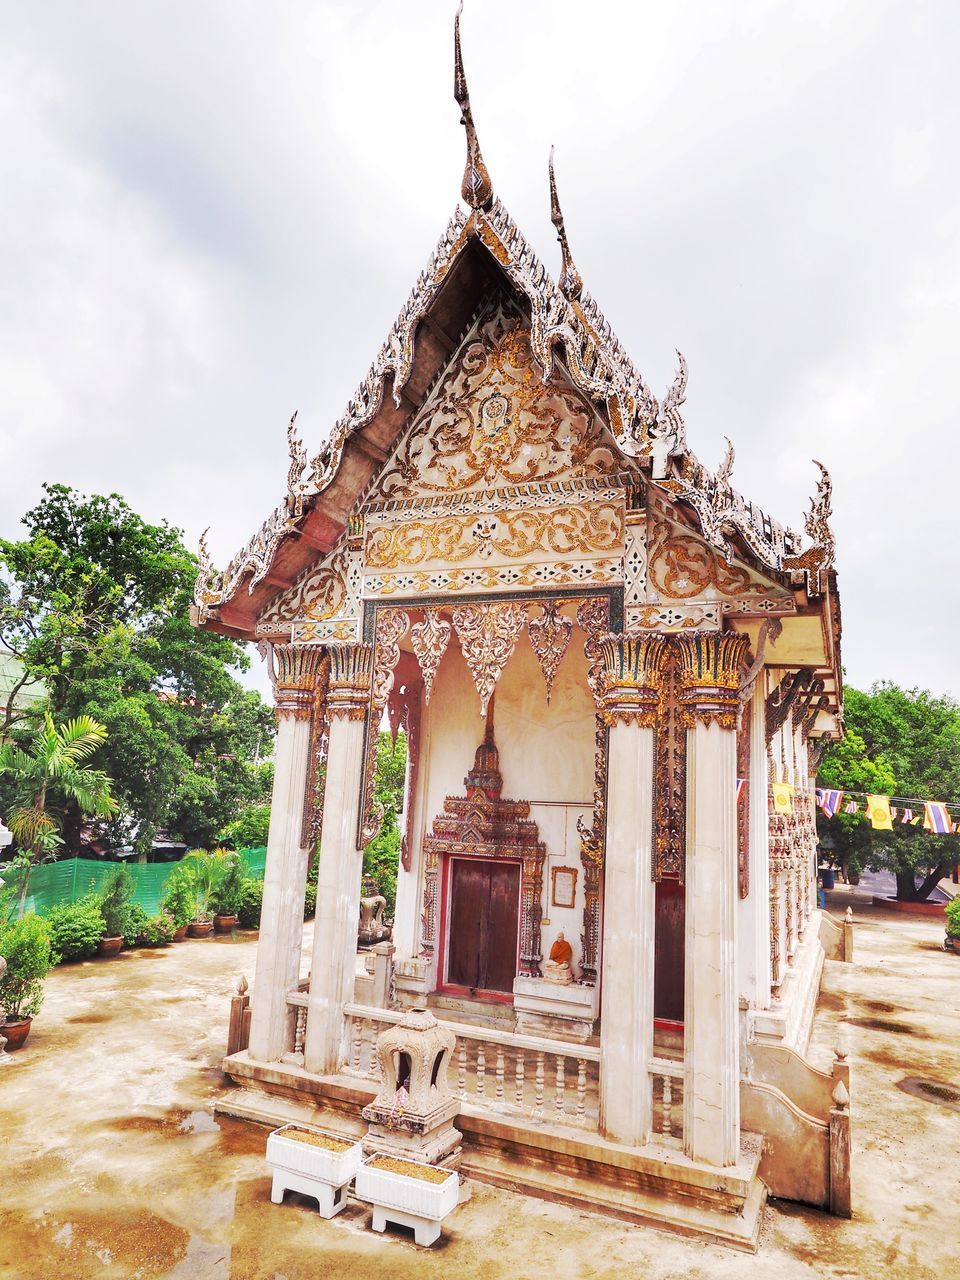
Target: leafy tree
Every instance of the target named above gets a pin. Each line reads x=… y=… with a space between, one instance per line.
x=381 y=857
x=48 y=773
x=96 y=602
x=902 y=742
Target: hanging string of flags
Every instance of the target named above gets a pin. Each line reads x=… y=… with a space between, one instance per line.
x=882 y=812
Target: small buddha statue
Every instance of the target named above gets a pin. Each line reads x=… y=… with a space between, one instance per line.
x=557 y=968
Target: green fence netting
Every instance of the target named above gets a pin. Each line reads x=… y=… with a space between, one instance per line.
x=59 y=882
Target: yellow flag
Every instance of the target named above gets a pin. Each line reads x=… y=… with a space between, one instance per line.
x=878 y=811
x=782 y=798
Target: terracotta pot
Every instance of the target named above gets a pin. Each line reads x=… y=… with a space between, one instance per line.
x=223 y=924
x=109 y=947
x=200 y=928
x=853 y=877
x=956 y=945
x=179 y=935
x=16 y=1032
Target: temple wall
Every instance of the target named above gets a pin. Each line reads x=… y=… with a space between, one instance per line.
x=546 y=757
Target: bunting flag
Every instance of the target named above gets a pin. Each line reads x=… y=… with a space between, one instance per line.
x=893 y=813
x=906 y=817
x=741 y=788
x=829 y=801
x=850 y=807
x=878 y=811
x=782 y=798
x=936 y=819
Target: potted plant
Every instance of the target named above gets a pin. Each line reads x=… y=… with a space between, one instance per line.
x=953 y=924
x=228 y=898
x=75 y=928
x=115 y=909
x=314 y=1163
x=177 y=901
x=204 y=871
x=412 y=1194
x=25 y=946
x=136 y=922
x=157 y=931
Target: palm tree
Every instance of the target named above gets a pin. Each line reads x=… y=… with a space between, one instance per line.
x=48 y=773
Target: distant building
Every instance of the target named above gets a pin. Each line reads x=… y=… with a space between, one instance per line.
x=27 y=695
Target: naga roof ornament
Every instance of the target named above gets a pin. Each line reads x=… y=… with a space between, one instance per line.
x=476 y=188
x=570 y=282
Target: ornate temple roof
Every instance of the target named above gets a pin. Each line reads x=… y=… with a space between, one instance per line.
x=480 y=250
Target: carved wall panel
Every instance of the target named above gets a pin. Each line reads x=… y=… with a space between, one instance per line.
x=683 y=567
x=670 y=794
x=491 y=420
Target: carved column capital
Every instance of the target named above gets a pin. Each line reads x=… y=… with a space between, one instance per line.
x=711 y=669
x=351 y=673
x=294 y=672
x=629 y=681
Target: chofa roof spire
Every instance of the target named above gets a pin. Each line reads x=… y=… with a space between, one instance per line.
x=571 y=282
x=476 y=189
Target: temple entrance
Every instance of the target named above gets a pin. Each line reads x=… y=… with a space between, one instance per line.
x=484 y=924
x=669 y=952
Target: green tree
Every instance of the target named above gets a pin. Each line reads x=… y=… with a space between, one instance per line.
x=381 y=857
x=902 y=742
x=48 y=773
x=96 y=602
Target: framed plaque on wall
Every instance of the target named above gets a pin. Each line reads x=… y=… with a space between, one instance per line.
x=563 y=886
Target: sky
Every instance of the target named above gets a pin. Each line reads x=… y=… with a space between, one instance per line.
x=211 y=213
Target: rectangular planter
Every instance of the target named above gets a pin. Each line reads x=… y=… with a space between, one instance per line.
x=313 y=1171
x=408 y=1200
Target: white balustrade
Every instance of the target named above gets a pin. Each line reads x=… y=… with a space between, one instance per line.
x=667 y=1082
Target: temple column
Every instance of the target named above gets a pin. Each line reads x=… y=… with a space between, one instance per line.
x=294 y=674
x=710 y=670
x=628 y=703
x=753 y=920
x=333 y=969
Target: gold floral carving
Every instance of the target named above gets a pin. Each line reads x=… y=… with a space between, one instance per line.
x=550 y=634
x=670 y=793
x=391 y=626
x=593 y=617
x=492 y=419
x=429 y=640
x=319 y=593
x=589 y=527
x=630 y=680
x=551 y=573
x=682 y=566
x=350 y=674
x=294 y=671
x=711 y=669
x=488 y=634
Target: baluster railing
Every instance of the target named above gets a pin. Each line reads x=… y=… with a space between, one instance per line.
x=462 y=1069
x=666 y=1080
x=519 y=1078
x=500 y=1073
x=481 y=1070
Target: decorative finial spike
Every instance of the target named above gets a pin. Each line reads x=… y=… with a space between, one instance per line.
x=476 y=188
x=571 y=282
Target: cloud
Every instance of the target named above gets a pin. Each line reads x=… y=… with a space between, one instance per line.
x=216 y=211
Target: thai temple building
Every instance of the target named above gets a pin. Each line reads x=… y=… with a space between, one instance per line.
x=615 y=676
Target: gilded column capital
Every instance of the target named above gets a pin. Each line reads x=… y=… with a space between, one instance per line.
x=629 y=681
x=294 y=673
x=351 y=675
x=711 y=670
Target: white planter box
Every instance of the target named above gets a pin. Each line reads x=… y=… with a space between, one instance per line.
x=408 y=1200
x=313 y=1171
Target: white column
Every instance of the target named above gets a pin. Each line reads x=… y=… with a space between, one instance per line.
x=753 y=911
x=626 y=1022
x=710 y=671
x=285 y=874
x=338 y=881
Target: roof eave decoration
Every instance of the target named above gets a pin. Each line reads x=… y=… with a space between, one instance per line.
x=567 y=318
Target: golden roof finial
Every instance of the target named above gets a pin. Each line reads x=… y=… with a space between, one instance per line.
x=571 y=282
x=476 y=189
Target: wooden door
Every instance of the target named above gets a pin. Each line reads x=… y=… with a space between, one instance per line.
x=484 y=920
x=669 y=952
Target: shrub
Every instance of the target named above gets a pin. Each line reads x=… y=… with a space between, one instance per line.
x=157 y=931
x=205 y=872
x=953 y=918
x=178 y=899
x=75 y=928
x=310 y=900
x=114 y=902
x=229 y=892
x=25 y=945
x=251 y=902
x=136 y=920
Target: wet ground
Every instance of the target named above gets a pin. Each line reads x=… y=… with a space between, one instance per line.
x=111 y=1165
